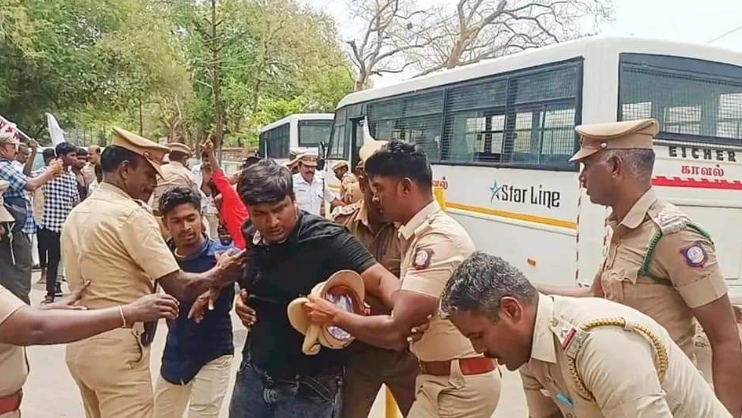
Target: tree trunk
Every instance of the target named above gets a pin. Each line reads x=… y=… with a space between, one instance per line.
x=216 y=82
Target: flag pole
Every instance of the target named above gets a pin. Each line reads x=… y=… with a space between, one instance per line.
x=23 y=134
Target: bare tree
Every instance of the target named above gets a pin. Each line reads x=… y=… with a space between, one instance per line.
x=390 y=28
x=480 y=29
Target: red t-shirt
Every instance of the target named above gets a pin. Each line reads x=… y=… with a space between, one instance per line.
x=233 y=211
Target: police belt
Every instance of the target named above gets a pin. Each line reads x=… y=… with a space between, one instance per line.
x=11 y=403
x=468 y=366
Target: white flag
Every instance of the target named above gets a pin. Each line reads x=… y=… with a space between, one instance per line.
x=366 y=132
x=55 y=131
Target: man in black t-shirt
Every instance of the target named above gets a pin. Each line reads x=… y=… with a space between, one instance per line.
x=289 y=252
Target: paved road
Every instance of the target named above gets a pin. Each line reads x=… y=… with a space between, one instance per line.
x=51 y=392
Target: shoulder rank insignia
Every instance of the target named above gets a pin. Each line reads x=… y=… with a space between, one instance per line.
x=695 y=255
x=422 y=259
x=669 y=218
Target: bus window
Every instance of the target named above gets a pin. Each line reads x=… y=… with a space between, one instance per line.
x=277 y=142
x=693 y=100
x=312 y=132
x=415 y=118
x=523 y=119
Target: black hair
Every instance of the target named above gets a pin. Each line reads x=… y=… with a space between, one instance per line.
x=479 y=284
x=48 y=154
x=82 y=151
x=400 y=159
x=177 y=196
x=265 y=182
x=113 y=156
x=249 y=161
x=65 y=148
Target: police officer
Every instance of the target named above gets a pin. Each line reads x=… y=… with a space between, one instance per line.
x=175 y=173
x=57 y=323
x=311 y=188
x=113 y=240
x=350 y=191
x=659 y=262
x=370 y=367
x=577 y=357
x=454 y=380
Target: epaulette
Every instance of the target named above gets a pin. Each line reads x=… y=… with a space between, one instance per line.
x=345 y=210
x=580 y=335
x=668 y=218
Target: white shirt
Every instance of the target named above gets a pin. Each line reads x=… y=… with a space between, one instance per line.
x=309 y=196
x=207 y=202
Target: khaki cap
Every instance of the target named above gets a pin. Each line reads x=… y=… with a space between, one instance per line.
x=369 y=148
x=340 y=164
x=307 y=159
x=633 y=134
x=5 y=216
x=179 y=147
x=150 y=150
x=344 y=282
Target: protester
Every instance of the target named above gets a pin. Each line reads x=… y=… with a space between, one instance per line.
x=197 y=360
x=16 y=259
x=232 y=211
x=24 y=160
x=203 y=173
x=60 y=196
x=83 y=185
x=38 y=212
x=289 y=253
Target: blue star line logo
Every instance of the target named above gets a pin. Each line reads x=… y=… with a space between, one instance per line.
x=495 y=189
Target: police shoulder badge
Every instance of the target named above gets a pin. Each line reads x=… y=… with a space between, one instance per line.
x=422 y=259
x=695 y=255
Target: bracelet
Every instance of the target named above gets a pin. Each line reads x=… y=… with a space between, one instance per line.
x=123 y=318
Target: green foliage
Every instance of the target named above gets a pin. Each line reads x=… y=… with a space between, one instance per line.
x=99 y=63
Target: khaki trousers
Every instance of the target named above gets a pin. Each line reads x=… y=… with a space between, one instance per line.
x=112 y=372
x=369 y=368
x=456 y=396
x=203 y=395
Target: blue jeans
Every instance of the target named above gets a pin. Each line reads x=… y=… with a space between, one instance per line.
x=258 y=395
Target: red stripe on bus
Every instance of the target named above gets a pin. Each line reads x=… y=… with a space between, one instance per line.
x=697 y=184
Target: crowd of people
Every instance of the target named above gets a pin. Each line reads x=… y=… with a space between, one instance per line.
x=384 y=288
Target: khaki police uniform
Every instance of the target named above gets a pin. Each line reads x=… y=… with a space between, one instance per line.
x=658 y=261
x=595 y=358
x=433 y=246
x=369 y=367
x=114 y=242
x=13 y=364
x=350 y=190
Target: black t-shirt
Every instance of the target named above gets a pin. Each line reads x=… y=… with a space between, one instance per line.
x=277 y=274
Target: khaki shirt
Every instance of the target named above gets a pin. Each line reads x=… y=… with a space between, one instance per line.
x=685 y=272
x=113 y=241
x=433 y=246
x=618 y=366
x=13 y=365
x=383 y=244
x=173 y=174
x=350 y=189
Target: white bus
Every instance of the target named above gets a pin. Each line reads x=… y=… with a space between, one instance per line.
x=499 y=135
x=297 y=134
